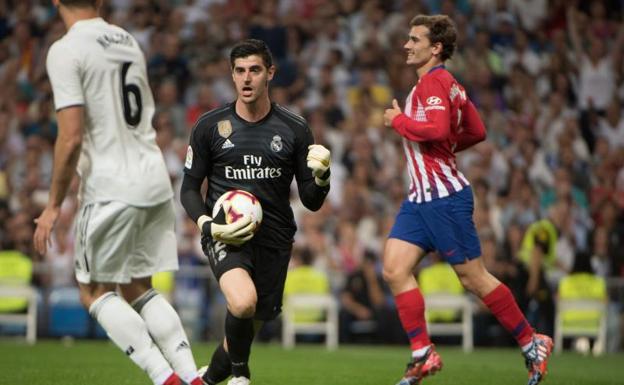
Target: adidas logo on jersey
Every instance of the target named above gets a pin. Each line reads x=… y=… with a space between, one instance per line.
x=227 y=144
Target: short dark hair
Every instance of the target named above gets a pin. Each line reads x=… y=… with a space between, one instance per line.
x=250 y=47
x=79 y=3
x=582 y=263
x=441 y=30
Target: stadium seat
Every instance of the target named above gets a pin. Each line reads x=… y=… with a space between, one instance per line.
x=451 y=302
x=67 y=316
x=596 y=329
x=29 y=318
x=448 y=308
x=310 y=302
x=18 y=299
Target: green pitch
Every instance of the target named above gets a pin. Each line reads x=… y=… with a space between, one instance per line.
x=100 y=363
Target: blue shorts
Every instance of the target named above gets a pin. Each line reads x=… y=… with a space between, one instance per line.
x=444 y=224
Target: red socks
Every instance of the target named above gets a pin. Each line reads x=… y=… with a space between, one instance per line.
x=503 y=305
x=411 y=307
x=173 y=379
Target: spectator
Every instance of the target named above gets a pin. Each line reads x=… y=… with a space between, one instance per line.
x=168 y=62
x=303 y=278
x=364 y=309
x=545 y=263
x=167 y=100
x=597 y=73
x=611 y=127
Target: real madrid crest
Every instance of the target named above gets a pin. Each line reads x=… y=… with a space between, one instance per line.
x=225 y=128
x=276 y=144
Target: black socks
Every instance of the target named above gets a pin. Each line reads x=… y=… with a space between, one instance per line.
x=239 y=333
x=220 y=366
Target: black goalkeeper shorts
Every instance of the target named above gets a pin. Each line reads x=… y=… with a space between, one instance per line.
x=267 y=267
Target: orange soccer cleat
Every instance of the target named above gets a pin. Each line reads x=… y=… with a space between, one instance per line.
x=427 y=365
x=536 y=358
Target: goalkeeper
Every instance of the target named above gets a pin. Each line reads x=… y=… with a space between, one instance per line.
x=257 y=146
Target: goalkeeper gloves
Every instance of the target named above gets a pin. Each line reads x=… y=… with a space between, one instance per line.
x=318 y=161
x=235 y=233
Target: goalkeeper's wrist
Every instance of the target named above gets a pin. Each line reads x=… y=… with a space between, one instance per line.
x=323 y=180
x=202 y=220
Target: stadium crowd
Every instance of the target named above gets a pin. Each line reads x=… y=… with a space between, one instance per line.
x=547 y=77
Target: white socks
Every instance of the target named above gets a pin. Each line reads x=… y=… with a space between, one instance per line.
x=420 y=353
x=129 y=332
x=165 y=327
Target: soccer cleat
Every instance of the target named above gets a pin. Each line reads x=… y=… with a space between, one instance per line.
x=536 y=358
x=239 y=381
x=427 y=365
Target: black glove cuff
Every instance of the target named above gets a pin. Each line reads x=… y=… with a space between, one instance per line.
x=206 y=231
x=206 y=237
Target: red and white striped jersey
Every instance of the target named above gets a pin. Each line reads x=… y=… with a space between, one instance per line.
x=437 y=122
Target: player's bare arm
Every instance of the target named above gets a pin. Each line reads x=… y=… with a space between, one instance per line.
x=66 y=154
x=575 y=38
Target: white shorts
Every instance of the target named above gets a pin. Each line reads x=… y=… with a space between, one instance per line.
x=116 y=242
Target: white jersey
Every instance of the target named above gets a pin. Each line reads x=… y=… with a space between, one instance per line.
x=101 y=67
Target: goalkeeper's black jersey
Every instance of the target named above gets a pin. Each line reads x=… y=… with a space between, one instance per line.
x=260 y=157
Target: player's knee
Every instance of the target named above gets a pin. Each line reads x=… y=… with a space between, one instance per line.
x=89 y=294
x=86 y=299
x=243 y=307
x=467 y=282
x=393 y=275
x=478 y=283
x=471 y=282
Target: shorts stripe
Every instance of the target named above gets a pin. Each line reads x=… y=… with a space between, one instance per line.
x=86 y=217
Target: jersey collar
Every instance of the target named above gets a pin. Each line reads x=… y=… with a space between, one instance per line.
x=434 y=68
x=247 y=123
x=439 y=66
x=93 y=20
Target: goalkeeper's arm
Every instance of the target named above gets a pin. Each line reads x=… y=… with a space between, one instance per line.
x=190 y=197
x=313 y=176
x=235 y=233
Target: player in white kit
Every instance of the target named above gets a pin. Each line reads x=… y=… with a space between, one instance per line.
x=125 y=225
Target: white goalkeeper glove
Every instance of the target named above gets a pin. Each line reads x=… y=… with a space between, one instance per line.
x=319 y=159
x=235 y=233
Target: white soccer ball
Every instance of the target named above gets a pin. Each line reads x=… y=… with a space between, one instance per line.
x=240 y=203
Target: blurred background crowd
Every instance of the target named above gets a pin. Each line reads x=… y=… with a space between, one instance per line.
x=546 y=75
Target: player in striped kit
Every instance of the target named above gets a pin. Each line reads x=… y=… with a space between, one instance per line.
x=438 y=121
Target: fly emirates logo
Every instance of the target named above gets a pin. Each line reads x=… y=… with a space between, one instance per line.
x=253 y=170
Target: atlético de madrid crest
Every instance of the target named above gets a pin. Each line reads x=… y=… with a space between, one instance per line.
x=225 y=128
x=276 y=144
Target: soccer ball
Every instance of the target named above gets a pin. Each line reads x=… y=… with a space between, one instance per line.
x=240 y=203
